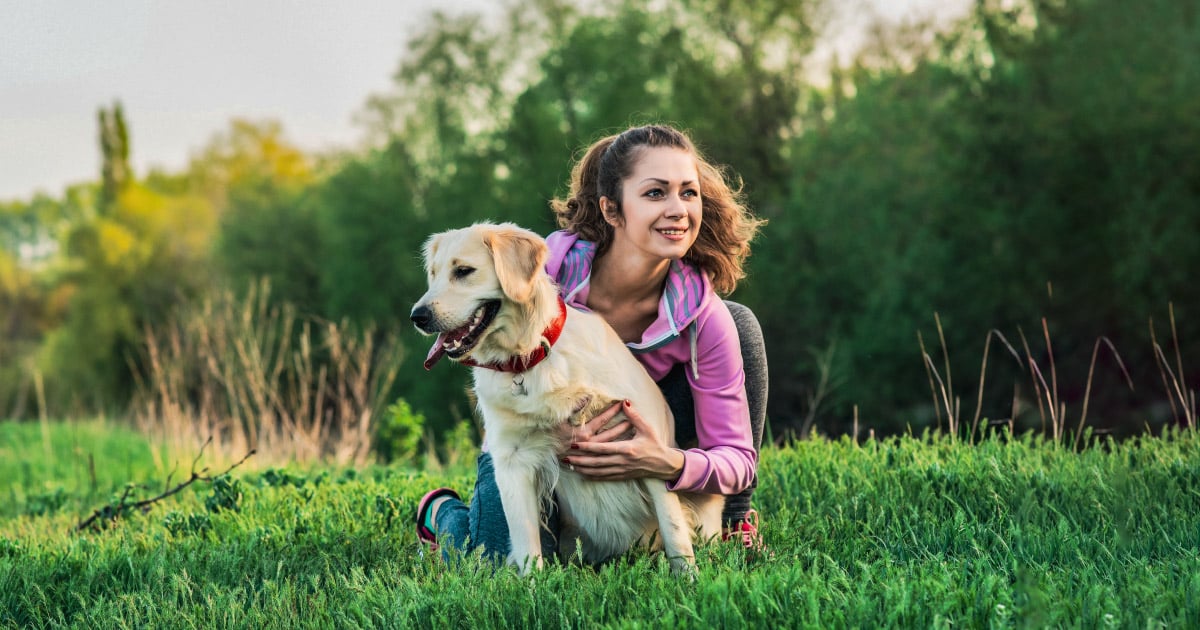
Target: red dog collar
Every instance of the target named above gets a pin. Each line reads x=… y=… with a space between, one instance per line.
x=520 y=364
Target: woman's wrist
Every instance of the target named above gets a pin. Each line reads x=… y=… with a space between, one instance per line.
x=674 y=465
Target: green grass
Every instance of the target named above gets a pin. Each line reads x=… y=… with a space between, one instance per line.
x=901 y=533
x=68 y=464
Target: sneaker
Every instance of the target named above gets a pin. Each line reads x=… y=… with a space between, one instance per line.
x=746 y=533
x=425 y=526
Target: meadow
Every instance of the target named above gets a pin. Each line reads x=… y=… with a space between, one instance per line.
x=918 y=531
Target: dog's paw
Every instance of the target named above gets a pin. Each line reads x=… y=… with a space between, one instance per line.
x=528 y=565
x=579 y=412
x=684 y=567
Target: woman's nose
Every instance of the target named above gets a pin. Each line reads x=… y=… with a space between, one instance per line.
x=676 y=208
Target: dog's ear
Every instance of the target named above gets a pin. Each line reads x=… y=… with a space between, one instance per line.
x=519 y=256
x=430 y=249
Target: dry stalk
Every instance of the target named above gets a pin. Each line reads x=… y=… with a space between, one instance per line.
x=1034 y=374
x=1181 y=400
x=1087 y=394
x=1162 y=371
x=1187 y=399
x=946 y=361
x=983 y=374
x=1044 y=390
x=1179 y=357
x=953 y=409
x=1053 y=380
x=246 y=375
x=929 y=372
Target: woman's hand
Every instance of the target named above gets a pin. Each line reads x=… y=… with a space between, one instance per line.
x=630 y=449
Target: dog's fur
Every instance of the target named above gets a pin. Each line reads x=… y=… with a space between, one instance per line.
x=587 y=370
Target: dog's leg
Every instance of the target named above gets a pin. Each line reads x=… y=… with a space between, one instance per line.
x=569 y=535
x=518 y=496
x=706 y=513
x=672 y=527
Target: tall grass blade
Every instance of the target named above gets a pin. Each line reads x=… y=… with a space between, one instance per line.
x=929 y=373
x=983 y=374
x=1034 y=375
x=1091 y=370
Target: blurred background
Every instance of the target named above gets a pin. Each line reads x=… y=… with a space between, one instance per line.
x=212 y=212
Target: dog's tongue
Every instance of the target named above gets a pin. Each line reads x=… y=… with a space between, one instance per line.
x=436 y=352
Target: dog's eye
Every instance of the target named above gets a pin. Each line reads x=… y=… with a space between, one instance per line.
x=463 y=272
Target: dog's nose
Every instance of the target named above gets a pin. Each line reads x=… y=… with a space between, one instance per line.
x=421 y=316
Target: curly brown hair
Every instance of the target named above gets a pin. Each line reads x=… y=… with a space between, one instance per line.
x=727 y=226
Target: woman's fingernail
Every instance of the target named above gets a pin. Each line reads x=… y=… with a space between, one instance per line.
x=574 y=446
x=627 y=403
x=566 y=460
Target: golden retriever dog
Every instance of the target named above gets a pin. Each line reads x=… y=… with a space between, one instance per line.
x=539 y=364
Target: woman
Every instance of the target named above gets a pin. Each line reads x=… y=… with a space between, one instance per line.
x=651 y=234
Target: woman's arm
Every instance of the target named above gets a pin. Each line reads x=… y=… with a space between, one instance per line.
x=724 y=460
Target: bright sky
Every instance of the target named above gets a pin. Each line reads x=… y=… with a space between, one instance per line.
x=184 y=68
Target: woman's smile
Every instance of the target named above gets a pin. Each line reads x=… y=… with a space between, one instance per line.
x=660 y=208
x=674 y=234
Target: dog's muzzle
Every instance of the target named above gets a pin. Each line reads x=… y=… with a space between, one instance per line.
x=422 y=317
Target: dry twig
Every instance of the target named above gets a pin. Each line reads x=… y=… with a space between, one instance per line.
x=111 y=512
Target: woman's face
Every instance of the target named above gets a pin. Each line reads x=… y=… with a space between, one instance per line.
x=660 y=209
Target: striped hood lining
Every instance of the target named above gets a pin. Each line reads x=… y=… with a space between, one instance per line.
x=684 y=295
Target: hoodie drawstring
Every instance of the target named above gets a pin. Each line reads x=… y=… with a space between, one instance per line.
x=692 y=334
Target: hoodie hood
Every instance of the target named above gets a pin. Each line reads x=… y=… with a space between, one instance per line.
x=685 y=295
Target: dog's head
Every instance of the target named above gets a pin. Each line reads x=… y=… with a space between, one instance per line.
x=482 y=282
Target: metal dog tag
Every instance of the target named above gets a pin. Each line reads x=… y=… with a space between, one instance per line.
x=518 y=385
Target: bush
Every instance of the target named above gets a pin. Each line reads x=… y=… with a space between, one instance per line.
x=398 y=433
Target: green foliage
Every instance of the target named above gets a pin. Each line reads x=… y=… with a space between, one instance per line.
x=372 y=225
x=268 y=230
x=459 y=447
x=1031 y=160
x=22 y=320
x=9 y=548
x=42 y=503
x=388 y=508
x=369 y=224
x=190 y=524
x=226 y=494
x=115 y=172
x=1026 y=165
x=905 y=532
x=83 y=462
x=398 y=434
x=1082 y=129
x=126 y=265
x=270 y=234
x=276 y=478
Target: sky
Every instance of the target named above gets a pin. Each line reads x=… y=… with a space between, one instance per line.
x=183 y=69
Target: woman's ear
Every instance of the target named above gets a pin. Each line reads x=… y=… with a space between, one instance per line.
x=612 y=215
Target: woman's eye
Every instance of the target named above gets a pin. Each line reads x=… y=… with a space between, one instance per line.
x=691 y=193
x=463 y=272
x=654 y=193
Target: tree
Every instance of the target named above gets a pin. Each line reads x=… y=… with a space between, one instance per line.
x=114 y=151
x=259 y=183
x=1024 y=165
x=125 y=261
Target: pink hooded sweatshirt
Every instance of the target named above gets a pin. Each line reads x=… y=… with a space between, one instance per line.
x=694 y=327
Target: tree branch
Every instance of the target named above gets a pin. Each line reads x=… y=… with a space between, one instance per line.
x=111 y=512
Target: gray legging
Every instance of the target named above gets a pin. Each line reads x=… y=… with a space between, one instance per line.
x=482 y=523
